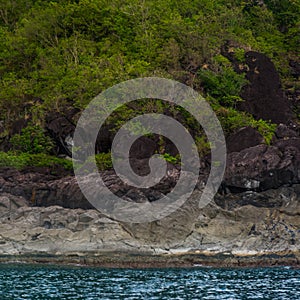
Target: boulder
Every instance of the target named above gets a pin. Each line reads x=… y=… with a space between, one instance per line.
x=264 y=167
x=284 y=132
x=244 y=138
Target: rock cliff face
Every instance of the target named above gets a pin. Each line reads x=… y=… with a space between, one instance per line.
x=256 y=214
x=241 y=226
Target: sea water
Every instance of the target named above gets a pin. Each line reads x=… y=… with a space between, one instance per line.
x=21 y=281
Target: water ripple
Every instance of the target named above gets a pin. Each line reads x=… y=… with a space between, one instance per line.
x=56 y=282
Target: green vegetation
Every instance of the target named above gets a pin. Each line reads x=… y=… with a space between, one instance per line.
x=22 y=160
x=171 y=159
x=222 y=82
x=103 y=161
x=66 y=52
x=32 y=140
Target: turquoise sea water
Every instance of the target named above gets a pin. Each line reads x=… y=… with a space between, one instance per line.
x=56 y=282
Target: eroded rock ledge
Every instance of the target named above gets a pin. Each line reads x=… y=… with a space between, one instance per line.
x=220 y=234
x=254 y=218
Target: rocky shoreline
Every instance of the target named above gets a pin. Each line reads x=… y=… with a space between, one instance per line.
x=244 y=229
x=254 y=219
x=142 y=261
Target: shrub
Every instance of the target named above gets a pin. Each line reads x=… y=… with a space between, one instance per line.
x=32 y=140
x=224 y=86
x=22 y=160
x=232 y=119
x=171 y=159
x=239 y=54
x=266 y=129
x=104 y=161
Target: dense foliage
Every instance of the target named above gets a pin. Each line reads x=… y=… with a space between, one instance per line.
x=65 y=52
x=22 y=160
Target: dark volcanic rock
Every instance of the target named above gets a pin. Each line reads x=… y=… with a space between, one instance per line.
x=244 y=138
x=270 y=198
x=261 y=167
x=104 y=138
x=41 y=188
x=284 y=144
x=143 y=147
x=61 y=127
x=264 y=97
x=284 y=131
x=293 y=95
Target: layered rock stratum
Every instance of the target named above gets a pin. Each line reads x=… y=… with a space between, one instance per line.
x=254 y=219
